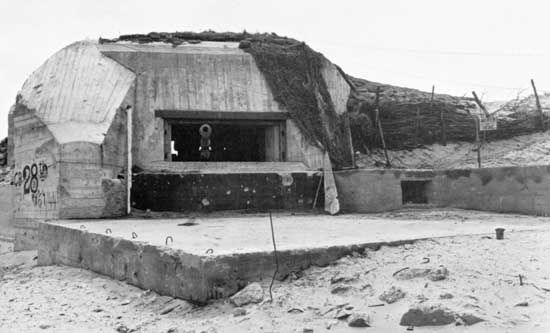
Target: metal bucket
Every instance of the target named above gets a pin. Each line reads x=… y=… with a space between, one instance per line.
x=500 y=233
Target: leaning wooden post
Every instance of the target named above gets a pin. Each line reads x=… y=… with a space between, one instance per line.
x=380 y=131
x=478 y=102
x=539 y=108
x=478 y=141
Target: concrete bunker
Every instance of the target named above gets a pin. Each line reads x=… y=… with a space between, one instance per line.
x=129 y=134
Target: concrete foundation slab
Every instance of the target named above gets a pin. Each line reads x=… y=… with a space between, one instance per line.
x=205 y=258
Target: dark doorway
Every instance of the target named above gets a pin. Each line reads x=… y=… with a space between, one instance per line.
x=414 y=191
x=228 y=142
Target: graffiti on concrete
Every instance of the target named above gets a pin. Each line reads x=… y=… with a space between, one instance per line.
x=28 y=179
x=42 y=199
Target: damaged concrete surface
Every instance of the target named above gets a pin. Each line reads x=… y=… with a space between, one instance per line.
x=488 y=288
x=201 y=259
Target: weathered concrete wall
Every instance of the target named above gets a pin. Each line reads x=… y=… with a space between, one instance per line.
x=523 y=190
x=7 y=229
x=233 y=191
x=85 y=183
x=11 y=160
x=35 y=177
x=188 y=78
x=299 y=150
x=72 y=180
x=209 y=77
x=169 y=272
x=174 y=272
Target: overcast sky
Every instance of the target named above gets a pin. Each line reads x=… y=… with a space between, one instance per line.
x=493 y=47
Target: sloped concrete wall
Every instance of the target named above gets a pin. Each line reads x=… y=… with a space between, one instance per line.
x=524 y=190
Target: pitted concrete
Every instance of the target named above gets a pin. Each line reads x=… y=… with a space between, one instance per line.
x=217 y=256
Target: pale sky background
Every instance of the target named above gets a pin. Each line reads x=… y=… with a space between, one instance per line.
x=493 y=47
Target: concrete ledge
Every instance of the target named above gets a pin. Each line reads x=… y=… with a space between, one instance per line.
x=174 y=272
x=212 y=258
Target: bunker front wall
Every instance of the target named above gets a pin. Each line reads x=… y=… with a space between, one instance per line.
x=524 y=190
x=221 y=79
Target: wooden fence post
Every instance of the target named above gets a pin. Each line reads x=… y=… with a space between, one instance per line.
x=539 y=108
x=417 y=127
x=478 y=141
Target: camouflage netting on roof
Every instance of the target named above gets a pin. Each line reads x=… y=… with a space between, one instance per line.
x=409 y=119
x=293 y=72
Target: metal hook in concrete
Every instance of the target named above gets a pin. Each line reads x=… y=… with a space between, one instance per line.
x=169 y=238
x=134 y=235
x=209 y=251
x=108 y=231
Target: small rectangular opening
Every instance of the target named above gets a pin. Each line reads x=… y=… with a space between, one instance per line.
x=414 y=191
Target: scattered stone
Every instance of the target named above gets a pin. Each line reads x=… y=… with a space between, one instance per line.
x=412 y=273
x=342 y=314
x=44 y=326
x=359 y=320
x=340 y=278
x=330 y=324
x=469 y=319
x=340 y=290
x=253 y=293
x=97 y=310
x=522 y=304
x=125 y=302
x=169 y=308
x=307 y=330
x=122 y=329
x=446 y=296
x=438 y=274
x=427 y=315
x=238 y=312
x=294 y=276
x=210 y=330
x=392 y=295
x=421 y=298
